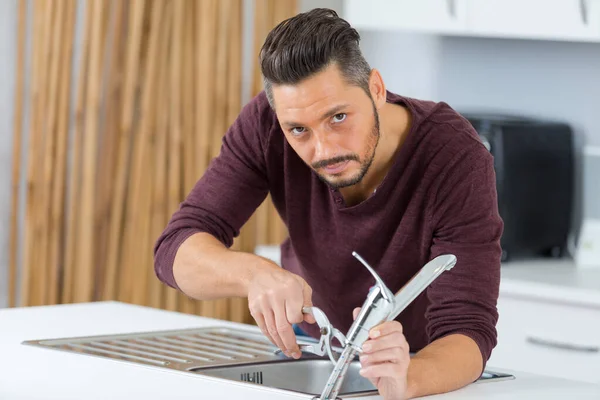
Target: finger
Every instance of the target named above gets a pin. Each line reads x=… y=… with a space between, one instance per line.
x=396 y=355
x=310 y=318
x=385 y=370
x=271 y=326
x=260 y=322
x=285 y=331
x=355 y=312
x=307 y=294
x=386 y=328
x=293 y=310
x=392 y=340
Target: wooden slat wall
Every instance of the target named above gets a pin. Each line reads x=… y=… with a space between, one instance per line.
x=158 y=82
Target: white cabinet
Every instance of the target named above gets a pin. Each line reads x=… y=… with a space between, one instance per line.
x=572 y=20
x=548 y=338
x=535 y=19
x=439 y=16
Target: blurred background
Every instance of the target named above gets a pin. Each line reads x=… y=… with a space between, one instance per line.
x=113 y=109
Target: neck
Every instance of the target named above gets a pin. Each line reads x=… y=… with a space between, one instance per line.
x=394 y=124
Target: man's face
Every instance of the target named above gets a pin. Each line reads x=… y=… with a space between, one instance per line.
x=333 y=126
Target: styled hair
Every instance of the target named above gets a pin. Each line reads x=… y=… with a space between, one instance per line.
x=306 y=44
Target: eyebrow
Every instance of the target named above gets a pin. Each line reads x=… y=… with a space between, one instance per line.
x=329 y=113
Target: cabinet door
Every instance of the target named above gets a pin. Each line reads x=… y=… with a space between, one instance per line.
x=535 y=19
x=435 y=16
x=550 y=339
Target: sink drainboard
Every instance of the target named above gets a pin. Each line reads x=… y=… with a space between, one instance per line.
x=184 y=350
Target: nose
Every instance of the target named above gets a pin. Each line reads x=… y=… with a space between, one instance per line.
x=323 y=146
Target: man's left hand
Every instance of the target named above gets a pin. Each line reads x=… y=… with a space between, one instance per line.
x=385 y=359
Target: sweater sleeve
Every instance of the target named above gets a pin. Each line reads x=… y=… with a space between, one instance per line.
x=467 y=224
x=226 y=195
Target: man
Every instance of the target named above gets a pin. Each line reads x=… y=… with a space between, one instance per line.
x=350 y=167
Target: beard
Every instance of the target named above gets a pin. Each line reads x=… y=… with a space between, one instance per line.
x=365 y=163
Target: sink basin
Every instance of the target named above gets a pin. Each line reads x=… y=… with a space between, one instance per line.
x=304 y=376
x=307 y=376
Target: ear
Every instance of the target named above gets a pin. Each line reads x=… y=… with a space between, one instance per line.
x=377 y=88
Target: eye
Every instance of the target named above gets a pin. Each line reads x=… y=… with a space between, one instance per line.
x=297 y=131
x=337 y=118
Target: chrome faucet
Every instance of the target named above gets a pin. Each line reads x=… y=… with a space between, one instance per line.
x=380 y=305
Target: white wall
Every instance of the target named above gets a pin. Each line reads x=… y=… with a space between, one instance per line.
x=545 y=79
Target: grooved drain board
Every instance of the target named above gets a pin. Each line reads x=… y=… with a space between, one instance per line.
x=182 y=350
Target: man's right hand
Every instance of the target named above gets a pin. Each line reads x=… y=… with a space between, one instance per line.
x=275 y=299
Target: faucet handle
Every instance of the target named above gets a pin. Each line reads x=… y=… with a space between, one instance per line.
x=385 y=292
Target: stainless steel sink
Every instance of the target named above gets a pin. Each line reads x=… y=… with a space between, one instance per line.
x=241 y=355
x=304 y=376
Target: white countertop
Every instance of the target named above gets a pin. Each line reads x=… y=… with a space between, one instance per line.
x=552 y=279
x=28 y=372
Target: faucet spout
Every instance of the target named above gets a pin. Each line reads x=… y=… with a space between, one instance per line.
x=336 y=378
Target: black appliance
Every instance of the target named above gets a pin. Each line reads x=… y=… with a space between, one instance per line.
x=534 y=164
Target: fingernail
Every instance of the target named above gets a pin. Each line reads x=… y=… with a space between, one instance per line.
x=375 y=334
x=366 y=347
x=296 y=355
x=362 y=372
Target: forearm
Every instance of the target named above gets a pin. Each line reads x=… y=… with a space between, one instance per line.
x=444 y=365
x=205 y=269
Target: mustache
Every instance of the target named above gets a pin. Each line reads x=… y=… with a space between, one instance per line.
x=335 y=160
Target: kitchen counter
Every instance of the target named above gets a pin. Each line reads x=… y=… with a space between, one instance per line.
x=552 y=279
x=29 y=372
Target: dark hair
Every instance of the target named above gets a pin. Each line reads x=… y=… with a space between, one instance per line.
x=308 y=43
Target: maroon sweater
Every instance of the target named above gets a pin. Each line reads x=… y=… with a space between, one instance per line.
x=439 y=197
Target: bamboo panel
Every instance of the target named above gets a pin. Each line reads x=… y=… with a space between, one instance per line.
x=74 y=196
x=84 y=275
x=131 y=76
x=38 y=184
x=16 y=152
x=137 y=200
x=49 y=132
x=52 y=28
x=109 y=138
x=57 y=226
x=30 y=288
